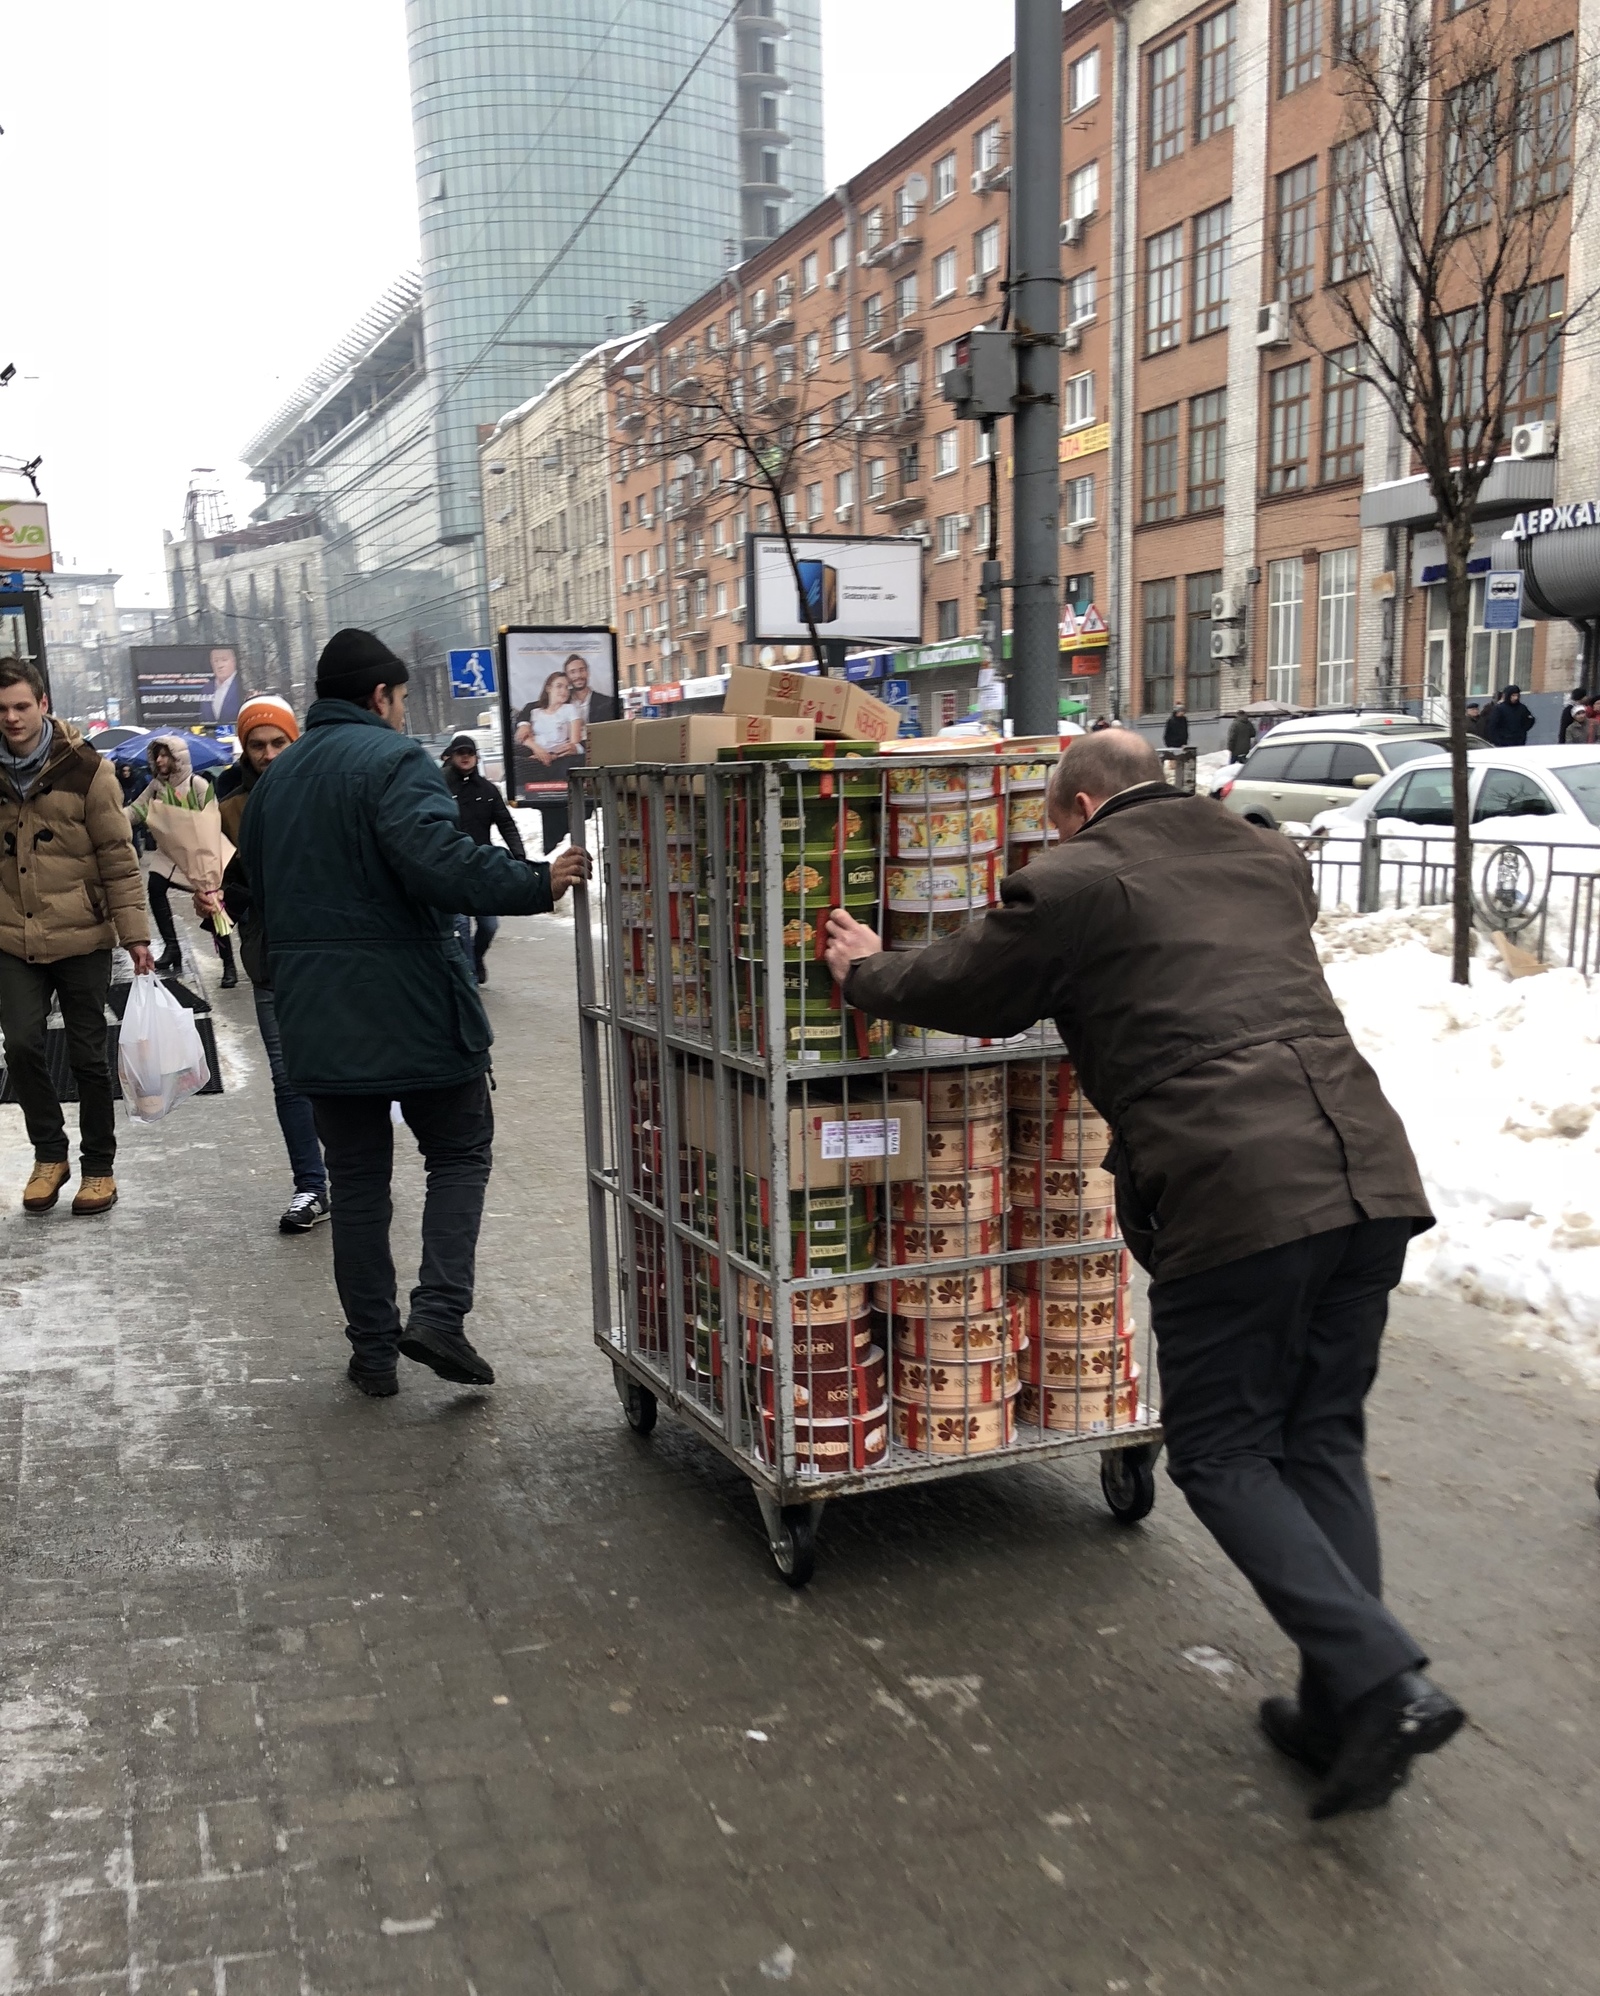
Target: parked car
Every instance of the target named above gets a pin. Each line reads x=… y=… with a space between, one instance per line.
x=1305 y=767
x=1544 y=796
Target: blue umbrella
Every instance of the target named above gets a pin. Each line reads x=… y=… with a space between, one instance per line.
x=204 y=751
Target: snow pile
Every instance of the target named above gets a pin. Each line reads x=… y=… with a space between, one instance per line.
x=1499 y=1086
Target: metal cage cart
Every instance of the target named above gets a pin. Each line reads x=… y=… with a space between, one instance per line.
x=848 y=1254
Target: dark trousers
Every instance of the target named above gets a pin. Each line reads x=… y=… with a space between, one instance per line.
x=454 y=1129
x=159 y=888
x=1265 y=1363
x=81 y=983
x=476 y=948
x=295 y=1117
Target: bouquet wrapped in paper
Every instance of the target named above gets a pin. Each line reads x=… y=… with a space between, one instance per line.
x=190 y=834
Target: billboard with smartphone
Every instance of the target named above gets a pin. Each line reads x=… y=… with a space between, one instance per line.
x=854 y=588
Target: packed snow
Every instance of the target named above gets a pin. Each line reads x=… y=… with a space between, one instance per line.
x=1499 y=1086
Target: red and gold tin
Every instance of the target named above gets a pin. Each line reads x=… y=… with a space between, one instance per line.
x=985 y=1335
x=1069 y=1277
x=953 y=1094
x=974 y=1195
x=959 y=1147
x=1059 y=1185
x=958 y=1294
x=1061 y=1138
x=1027 y=1227
x=829 y=1347
x=1083 y=1411
x=1079 y=1364
x=947 y=1431
x=830 y=1447
x=1070 y=1320
x=843 y=1300
x=941 y=1382
x=945 y=1240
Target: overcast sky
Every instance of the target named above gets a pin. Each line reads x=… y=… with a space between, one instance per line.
x=204 y=197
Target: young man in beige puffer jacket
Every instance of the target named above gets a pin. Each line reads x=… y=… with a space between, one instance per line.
x=69 y=888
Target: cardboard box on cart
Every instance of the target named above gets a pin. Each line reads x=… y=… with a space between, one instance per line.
x=827 y=1148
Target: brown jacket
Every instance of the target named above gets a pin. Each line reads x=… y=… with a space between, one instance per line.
x=69 y=880
x=1171 y=944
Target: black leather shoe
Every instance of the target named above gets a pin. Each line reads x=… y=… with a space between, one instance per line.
x=1383 y=1733
x=1287 y=1727
x=448 y=1354
x=376 y=1385
x=170 y=959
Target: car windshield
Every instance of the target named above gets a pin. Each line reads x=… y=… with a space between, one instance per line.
x=1583 y=783
x=1394 y=753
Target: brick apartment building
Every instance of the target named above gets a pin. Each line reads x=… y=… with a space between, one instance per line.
x=1206 y=450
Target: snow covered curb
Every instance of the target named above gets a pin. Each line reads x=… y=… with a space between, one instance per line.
x=1499 y=1086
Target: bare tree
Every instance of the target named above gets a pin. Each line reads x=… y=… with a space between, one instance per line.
x=1453 y=197
x=761 y=417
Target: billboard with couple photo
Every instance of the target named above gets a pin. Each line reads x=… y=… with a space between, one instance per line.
x=554 y=681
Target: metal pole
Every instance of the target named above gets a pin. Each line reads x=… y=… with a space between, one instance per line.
x=1036 y=318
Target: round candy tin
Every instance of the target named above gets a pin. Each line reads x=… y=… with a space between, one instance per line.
x=943 y=1382
x=1081 y=1411
x=935 y=1431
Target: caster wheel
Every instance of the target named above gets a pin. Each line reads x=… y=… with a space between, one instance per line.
x=794 y=1543
x=638 y=1402
x=1128 y=1481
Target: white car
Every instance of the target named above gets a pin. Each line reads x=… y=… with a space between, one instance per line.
x=1527 y=796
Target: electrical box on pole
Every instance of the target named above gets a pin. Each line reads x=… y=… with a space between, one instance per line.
x=983 y=382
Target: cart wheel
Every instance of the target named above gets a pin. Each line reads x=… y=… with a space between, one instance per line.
x=1128 y=1480
x=638 y=1402
x=794 y=1543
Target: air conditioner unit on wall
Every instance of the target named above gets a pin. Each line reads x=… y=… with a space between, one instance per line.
x=1071 y=340
x=1072 y=231
x=1227 y=642
x=1534 y=440
x=1227 y=605
x=1272 y=324
x=1074 y=535
x=977 y=284
x=832 y=279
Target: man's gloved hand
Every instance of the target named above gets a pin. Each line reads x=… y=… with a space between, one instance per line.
x=567 y=868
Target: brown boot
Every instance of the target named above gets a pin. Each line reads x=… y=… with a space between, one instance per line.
x=44 y=1185
x=96 y=1195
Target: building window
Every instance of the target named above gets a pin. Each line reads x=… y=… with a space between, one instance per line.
x=1083 y=81
x=873 y=229
x=839 y=250
x=1470 y=153
x=1288 y=422
x=944 y=274
x=1160 y=605
x=1494 y=658
x=908 y=385
x=1208 y=449
x=983 y=444
x=1080 y=298
x=949 y=626
x=811 y=352
x=631 y=629
x=877 y=477
x=983 y=526
x=1200 y=677
x=910 y=461
x=844 y=492
x=1077 y=401
x=1336 y=627
x=1544 y=122
x=948 y=535
x=1165 y=115
x=1160 y=483
x=1213 y=77
x=1355 y=30
x=1286 y=581
x=624 y=516
x=872 y=317
x=722 y=599
x=1080 y=501
x=1344 y=416
x=1083 y=191
x=944 y=178
x=1461 y=361
x=814 y=501
x=946 y=453
x=1352 y=201
x=986 y=147
x=1533 y=378
x=1213 y=232
x=1077 y=592
x=1301 y=29
x=905 y=298
x=810 y=275
x=986 y=250
x=1296 y=234
x=1163 y=290
x=906 y=208
x=841 y=333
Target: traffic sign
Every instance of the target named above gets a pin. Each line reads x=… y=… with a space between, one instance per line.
x=1502 y=600
x=472 y=674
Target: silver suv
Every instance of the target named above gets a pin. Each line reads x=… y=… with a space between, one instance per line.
x=1304 y=767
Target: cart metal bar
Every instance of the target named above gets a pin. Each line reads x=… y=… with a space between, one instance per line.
x=589 y=1035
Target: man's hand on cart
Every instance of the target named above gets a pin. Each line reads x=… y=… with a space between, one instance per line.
x=567 y=869
x=849 y=942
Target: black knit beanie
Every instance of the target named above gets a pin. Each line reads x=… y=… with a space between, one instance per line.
x=353 y=663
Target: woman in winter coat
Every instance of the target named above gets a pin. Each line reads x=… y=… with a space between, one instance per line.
x=173 y=781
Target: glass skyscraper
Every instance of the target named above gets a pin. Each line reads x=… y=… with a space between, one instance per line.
x=523 y=111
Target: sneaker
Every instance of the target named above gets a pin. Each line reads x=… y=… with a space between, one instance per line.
x=449 y=1355
x=303 y=1212
x=44 y=1184
x=96 y=1195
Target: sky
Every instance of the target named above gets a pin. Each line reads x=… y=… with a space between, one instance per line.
x=205 y=197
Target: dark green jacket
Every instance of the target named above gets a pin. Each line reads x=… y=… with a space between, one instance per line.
x=358 y=862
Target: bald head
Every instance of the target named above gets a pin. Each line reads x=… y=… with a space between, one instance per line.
x=1096 y=767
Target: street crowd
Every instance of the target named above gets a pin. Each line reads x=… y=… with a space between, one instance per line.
x=1263 y=1180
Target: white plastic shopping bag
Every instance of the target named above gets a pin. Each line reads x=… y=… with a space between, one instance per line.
x=160 y=1057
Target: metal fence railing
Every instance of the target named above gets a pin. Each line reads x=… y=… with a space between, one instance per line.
x=1543 y=896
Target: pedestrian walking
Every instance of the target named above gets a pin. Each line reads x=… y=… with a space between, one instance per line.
x=1475 y=720
x=483 y=811
x=267 y=727
x=1580 y=726
x=1509 y=721
x=1262 y=1179
x=1176 y=733
x=69 y=889
x=1241 y=737
x=1578 y=698
x=173 y=781
x=358 y=864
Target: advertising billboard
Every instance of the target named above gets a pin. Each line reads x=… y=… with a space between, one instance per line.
x=186 y=686
x=553 y=682
x=856 y=588
x=25 y=536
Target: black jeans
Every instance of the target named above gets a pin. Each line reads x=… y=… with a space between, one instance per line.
x=81 y=983
x=1265 y=1363
x=454 y=1129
